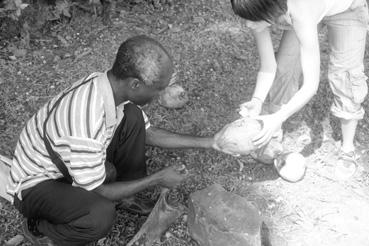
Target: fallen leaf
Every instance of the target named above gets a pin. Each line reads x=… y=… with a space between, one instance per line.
x=175 y=29
x=14 y=241
x=19 y=52
x=63 y=41
x=198 y=20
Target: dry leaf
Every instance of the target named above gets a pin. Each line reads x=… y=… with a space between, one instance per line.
x=18 y=239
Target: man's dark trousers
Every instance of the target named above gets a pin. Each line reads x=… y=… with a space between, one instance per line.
x=73 y=216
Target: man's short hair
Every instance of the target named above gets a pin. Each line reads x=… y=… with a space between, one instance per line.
x=259 y=10
x=140 y=57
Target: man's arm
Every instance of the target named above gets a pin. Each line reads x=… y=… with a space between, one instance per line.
x=119 y=190
x=168 y=177
x=166 y=139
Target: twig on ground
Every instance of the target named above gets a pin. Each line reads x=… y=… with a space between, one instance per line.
x=242 y=165
x=85 y=53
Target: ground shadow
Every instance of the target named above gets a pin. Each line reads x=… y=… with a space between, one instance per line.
x=257 y=171
x=314 y=114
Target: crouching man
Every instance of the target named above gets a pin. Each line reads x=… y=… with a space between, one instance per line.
x=85 y=149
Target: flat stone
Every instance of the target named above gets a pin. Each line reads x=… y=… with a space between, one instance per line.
x=218 y=218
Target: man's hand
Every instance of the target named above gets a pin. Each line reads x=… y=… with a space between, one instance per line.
x=172 y=176
x=271 y=123
x=251 y=108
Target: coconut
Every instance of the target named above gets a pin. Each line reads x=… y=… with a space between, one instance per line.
x=291 y=166
x=174 y=96
x=236 y=137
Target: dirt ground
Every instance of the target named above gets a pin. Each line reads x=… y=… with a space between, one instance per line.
x=216 y=62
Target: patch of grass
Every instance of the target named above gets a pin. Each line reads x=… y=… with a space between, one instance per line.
x=216 y=61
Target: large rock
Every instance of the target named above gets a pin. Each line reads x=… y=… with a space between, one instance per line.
x=220 y=218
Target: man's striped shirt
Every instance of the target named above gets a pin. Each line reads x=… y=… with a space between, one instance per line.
x=79 y=128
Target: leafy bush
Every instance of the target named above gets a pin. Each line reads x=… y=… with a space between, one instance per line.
x=18 y=19
x=12 y=9
x=158 y=4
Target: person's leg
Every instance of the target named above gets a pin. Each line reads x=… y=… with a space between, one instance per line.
x=66 y=214
x=286 y=82
x=127 y=148
x=347 y=38
x=348 y=128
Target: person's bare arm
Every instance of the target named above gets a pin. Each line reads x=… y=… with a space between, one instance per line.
x=119 y=190
x=168 y=177
x=166 y=139
x=268 y=65
x=265 y=76
x=306 y=31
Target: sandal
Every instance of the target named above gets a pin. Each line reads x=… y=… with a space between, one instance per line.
x=346 y=165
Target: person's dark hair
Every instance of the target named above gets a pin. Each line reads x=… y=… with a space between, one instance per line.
x=140 y=57
x=259 y=10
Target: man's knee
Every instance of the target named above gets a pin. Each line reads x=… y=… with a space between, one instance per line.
x=103 y=215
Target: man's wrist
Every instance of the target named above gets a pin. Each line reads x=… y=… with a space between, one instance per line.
x=155 y=179
x=209 y=142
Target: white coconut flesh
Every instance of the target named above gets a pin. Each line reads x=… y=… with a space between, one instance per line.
x=292 y=167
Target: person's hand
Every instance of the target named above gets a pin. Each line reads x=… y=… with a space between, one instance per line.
x=251 y=108
x=271 y=123
x=172 y=176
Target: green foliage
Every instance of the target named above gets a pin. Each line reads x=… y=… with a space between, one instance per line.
x=22 y=20
x=12 y=9
x=61 y=8
x=154 y=3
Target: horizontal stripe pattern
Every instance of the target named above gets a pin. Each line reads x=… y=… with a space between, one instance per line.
x=78 y=133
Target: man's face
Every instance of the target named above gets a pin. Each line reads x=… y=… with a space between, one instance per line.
x=145 y=94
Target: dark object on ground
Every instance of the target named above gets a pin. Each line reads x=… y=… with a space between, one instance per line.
x=217 y=218
x=35 y=238
x=165 y=212
x=107 y=9
x=137 y=205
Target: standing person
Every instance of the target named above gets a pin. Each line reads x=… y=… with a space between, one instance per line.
x=85 y=149
x=347 y=22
